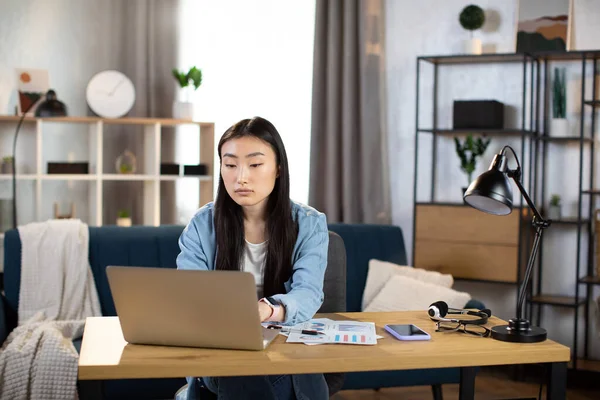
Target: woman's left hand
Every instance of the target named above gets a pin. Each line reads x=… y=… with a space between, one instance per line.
x=264 y=311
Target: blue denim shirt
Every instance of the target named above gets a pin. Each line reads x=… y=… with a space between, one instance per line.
x=304 y=290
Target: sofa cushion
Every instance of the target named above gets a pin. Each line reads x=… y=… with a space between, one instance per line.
x=364 y=242
x=380 y=272
x=402 y=293
x=139 y=246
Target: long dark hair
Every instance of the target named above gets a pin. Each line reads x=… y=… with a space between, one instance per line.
x=281 y=229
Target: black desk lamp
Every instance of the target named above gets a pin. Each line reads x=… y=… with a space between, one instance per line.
x=491 y=192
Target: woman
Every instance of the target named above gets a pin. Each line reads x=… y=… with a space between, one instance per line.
x=254 y=226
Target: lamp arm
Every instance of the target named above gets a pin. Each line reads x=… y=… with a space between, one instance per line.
x=530 y=262
x=516 y=174
x=540 y=224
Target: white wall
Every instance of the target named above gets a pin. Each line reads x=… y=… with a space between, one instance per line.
x=413 y=30
x=72 y=40
x=256 y=58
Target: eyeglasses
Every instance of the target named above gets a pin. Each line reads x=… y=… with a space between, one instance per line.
x=475 y=330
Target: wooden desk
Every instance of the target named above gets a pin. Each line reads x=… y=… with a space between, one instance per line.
x=106 y=355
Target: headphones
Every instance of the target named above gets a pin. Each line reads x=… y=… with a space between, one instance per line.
x=438 y=311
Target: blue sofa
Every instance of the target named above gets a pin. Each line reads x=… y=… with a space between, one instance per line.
x=157 y=247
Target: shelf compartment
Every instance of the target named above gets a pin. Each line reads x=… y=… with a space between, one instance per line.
x=570 y=221
x=590 y=280
x=564 y=139
x=511 y=57
x=178 y=177
x=128 y=177
x=8 y=177
x=499 y=132
x=593 y=103
x=586 y=365
x=593 y=192
x=68 y=177
x=476 y=59
x=110 y=121
x=559 y=301
x=454 y=204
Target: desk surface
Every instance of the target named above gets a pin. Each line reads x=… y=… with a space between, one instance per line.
x=106 y=355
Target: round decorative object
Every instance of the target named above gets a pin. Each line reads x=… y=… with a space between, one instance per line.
x=126 y=163
x=472 y=17
x=110 y=94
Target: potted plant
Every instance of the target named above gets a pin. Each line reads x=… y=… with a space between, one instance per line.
x=123 y=218
x=7 y=166
x=559 y=124
x=554 y=211
x=186 y=81
x=468 y=153
x=472 y=18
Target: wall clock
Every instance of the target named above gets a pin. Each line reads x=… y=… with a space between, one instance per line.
x=110 y=94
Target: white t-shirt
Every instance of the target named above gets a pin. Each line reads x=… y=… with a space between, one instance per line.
x=254 y=262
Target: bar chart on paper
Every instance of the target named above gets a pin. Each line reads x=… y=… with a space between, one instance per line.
x=350 y=338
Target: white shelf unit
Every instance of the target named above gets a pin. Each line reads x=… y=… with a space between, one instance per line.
x=96 y=177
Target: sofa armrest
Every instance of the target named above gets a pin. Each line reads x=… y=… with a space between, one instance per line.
x=3 y=322
x=474 y=303
x=8 y=319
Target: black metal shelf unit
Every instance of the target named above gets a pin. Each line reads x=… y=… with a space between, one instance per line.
x=539 y=141
x=584 y=220
x=526 y=132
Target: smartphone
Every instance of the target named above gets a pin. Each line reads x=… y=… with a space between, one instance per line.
x=407 y=332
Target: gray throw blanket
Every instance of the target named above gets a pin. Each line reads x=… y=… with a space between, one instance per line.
x=38 y=360
x=57 y=293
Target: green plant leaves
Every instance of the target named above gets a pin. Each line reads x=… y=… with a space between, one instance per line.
x=180 y=77
x=469 y=151
x=471 y=17
x=559 y=94
x=193 y=76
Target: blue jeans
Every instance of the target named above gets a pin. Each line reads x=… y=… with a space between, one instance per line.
x=268 y=387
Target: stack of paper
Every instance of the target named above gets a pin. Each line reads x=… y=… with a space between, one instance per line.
x=330 y=331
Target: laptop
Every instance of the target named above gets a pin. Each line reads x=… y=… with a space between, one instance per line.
x=189 y=308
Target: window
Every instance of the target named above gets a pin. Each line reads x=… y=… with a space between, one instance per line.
x=256 y=58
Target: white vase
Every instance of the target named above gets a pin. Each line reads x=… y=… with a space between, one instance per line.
x=472 y=46
x=554 y=212
x=559 y=127
x=183 y=110
x=123 y=221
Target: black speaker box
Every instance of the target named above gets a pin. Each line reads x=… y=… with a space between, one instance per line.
x=195 y=170
x=68 y=167
x=478 y=114
x=169 y=169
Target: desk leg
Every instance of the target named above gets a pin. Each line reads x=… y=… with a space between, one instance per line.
x=467 y=383
x=557 y=381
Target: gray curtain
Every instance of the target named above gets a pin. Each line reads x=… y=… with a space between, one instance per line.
x=348 y=168
x=149 y=38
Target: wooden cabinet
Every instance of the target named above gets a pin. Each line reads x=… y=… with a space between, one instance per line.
x=467 y=243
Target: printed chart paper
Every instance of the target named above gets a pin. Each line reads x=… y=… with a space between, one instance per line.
x=341 y=332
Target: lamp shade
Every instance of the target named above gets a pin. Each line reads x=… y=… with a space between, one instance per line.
x=491 y=193
x=51 y=107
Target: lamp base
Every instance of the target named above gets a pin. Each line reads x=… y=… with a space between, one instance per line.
x=519 y=331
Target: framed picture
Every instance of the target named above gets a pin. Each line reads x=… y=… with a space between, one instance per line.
x=32 y=85
x=544 y=25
